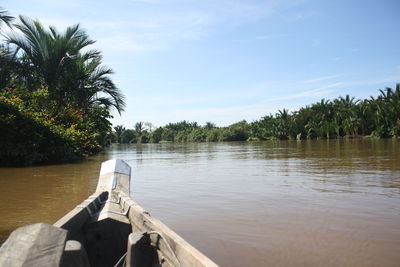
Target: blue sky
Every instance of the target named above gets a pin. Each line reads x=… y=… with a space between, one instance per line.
x=226 y=60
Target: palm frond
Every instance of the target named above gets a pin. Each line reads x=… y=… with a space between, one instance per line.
x=5 y=18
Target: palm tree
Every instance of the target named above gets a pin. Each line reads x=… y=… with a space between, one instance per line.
x=283 y=124
x=323 y=109
x=345 y=118
x=49 y=51
x=387 y=112
x=363 y=113
x=119 y=129
x=73 y=78
x=348 y=102
x=139 y=128
x=209 y=125
x=87 y=83
x=314 y=129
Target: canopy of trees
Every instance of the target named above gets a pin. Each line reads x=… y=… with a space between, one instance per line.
x=343 y=117
x=55 y=94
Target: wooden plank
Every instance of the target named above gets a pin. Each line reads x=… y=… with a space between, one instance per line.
x=106 y=241
x=187 y=255
x=34 y=245
x=76 y=218
x=74 y=255
x=139 y=252
x=114 y=176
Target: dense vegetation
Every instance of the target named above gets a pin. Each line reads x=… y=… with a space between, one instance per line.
x=343 y=117
x=55 y=94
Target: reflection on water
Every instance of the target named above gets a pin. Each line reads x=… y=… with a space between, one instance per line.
x=289 y=203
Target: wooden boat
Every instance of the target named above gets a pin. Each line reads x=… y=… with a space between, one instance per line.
x=107 y=229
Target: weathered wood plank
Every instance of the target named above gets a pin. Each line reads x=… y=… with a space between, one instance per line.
x=114 y=176
x=76 y=218
x=139 y=252
x=74 y=255
x=187 y=255
x=34 y=245
x=106 y=241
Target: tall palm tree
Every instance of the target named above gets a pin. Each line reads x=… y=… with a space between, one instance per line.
x=49 y=51
x=73 y=77
x=283 y=124
x=387 y=111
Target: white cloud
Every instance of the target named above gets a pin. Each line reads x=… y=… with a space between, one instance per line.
x=123 y=43
x=161 y=24
x=323 y=91
x=321 y=79
x=394 y=79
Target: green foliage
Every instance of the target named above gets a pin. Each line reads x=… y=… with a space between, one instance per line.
x=27 y=139
x=213 y=135
x=253 y=139
x=33 y=133
x=156 y=135
x=119 y=129
x=343 y=117
x=236 y=132
x=55 y=99
x=74 y=78
x=197 y=135
x=128 y=136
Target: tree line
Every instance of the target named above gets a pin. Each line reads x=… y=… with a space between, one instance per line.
x=55 y=94
x=343 y=117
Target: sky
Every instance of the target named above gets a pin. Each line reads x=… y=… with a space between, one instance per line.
x=228 y=60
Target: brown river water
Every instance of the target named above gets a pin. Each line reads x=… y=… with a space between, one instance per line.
x=283 y=203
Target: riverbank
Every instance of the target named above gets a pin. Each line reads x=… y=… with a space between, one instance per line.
x=343 y=117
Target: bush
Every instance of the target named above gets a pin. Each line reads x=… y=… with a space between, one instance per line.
x=26 y=140
x=213 y=135
x=36 y=131
x=197 y=135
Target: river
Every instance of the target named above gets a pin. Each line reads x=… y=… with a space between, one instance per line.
x=278 y=203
